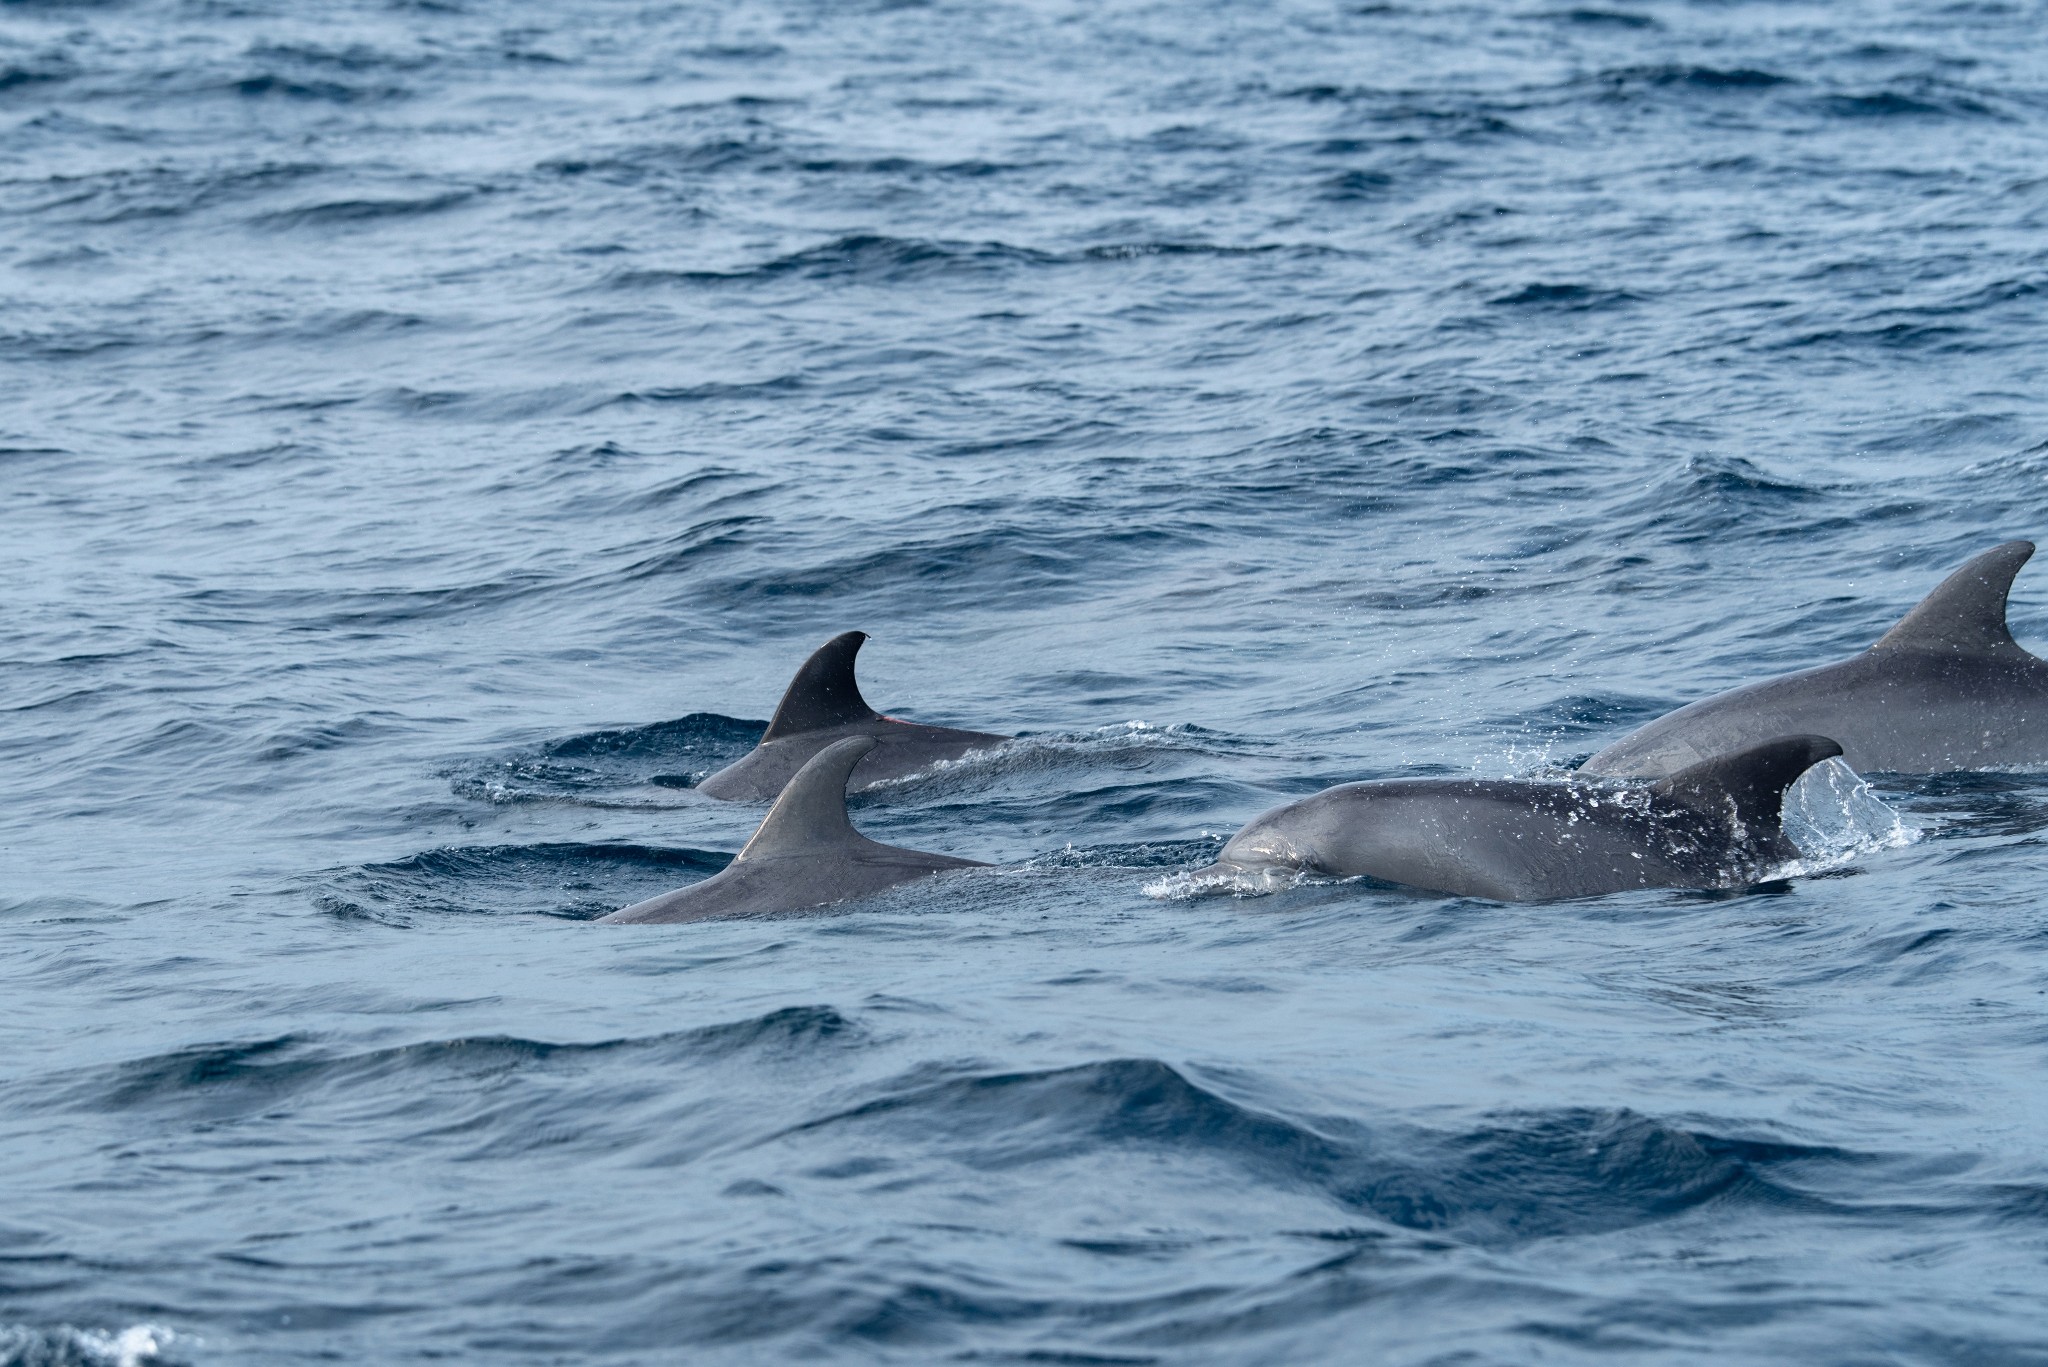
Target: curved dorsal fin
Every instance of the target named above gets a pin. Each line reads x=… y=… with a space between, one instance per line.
x=1965 y=615
x=1753 y=780
x=811 y=813
x=823 y=693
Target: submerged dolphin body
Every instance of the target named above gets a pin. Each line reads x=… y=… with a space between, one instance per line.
x=1947 y=688
x=806 y=854
x=1715 y=825
x=822 y=705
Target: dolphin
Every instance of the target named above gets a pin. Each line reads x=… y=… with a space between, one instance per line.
x=806 y=854
x=822 y=705
x=1715 y=825
x=1946 y=689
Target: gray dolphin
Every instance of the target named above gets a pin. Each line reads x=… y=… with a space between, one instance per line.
x=1715 y=825
x=822 y=705
x=1947 y=688
x=806 y=854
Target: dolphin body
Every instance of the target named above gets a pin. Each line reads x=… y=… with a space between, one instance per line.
x=1946 y=689
x=1715 y=825
x=823 y=705
x=806 y=854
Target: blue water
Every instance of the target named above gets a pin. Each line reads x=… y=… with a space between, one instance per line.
x=431 y=434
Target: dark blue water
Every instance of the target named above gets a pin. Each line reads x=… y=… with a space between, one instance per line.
x=431 y=434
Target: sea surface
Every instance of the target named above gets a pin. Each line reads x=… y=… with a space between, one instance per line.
x=431 y=434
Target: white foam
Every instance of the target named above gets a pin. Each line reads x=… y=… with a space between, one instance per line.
x=135 y=1346
x=1186 y=884
x=1127 y=742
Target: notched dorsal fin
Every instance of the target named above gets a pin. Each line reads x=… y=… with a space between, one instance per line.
x=1753 y=781
x=823 y=693
x=1965 y=615
x=811 y=813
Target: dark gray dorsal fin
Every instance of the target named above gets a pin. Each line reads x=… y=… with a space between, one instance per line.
x=811 y=813
x=1965 y=615
x=1752 y=781
x=823 y=693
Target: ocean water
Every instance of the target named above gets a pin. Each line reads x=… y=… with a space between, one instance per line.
x=431 y=434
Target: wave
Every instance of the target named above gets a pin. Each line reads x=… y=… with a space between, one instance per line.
x=13 y=77
x=1517 y=1177
x=1705 y=498
x=290 y=742
x=351 y=606
x=131 y=193
x=1995 y=804
x=710 y=391
x=245 y=1079
x=1603 y=18
x=1566 y=298
x=868 y=258
x=1888 y=336
x=614 y=765
x=1358 y=185
x=1406 y=115
x=571 y=880
x=1681 y=76
x=402 y=603
x=859 y=257
x=1021 y=565
x=327 y=213
x=1921 y=101
x=270 y=85
x=353 y=57
x=1543 y=731
x=656 y=163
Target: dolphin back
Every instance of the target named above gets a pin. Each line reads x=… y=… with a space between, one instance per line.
x=810 y=814
x=1947 y=688
x=823 y=705
x=806 y=854
x=1965 y=615
x=823 y=694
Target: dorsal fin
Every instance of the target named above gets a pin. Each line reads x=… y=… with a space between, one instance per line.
x=1965 y=615
x=811 y=813
x=1752 y=781
x=823 y=693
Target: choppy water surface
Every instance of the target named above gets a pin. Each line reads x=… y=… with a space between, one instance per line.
x=433 y=434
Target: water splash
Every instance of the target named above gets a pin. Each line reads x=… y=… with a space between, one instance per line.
x=1536 y=761
x=1834 y=818
x=21 y=1346
x=1184 y=885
